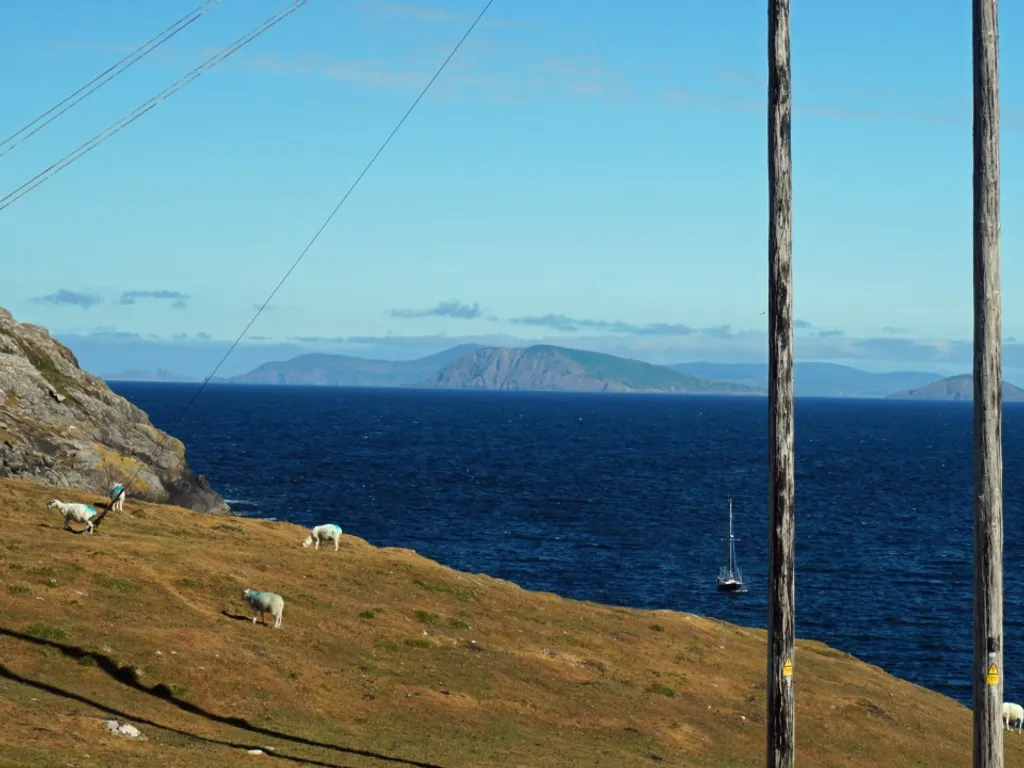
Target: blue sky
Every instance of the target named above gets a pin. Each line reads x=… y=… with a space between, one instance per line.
x=586 y=172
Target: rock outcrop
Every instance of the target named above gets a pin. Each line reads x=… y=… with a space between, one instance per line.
x=65 y=427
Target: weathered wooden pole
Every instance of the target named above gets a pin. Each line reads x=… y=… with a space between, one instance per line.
x=988 y=400
x=781 y=719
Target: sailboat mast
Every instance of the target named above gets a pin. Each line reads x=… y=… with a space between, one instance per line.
x=730 y=537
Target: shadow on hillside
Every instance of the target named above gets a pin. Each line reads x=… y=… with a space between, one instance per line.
x=52 y=689
x=237 y=617
x=126 y=675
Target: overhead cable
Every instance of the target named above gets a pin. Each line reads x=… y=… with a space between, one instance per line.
x=103 y=78
x=142 y=109
x=323 y=226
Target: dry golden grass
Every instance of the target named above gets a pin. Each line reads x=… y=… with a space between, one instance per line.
x=386 y=658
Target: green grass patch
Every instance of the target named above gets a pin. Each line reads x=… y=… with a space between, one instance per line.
x=657 y=628
x=438 y=587
x=368 y=615
x=662 y=690
x=458 y=624
x=428 y=618
x=17 y=589
x=44 y=632
x=382 y=644
x=47 y=368
x=121 y=585
x=418 y=642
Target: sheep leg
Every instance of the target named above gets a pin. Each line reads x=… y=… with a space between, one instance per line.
x=317 y=546
x=277 y=619
x=335 y=545
x=254 y=617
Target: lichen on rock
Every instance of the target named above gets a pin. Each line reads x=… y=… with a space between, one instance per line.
x=64 y=426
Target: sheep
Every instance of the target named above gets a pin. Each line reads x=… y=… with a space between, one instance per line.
x=329 y=532
x=263 y=603
x=80 y=513
x=117 y=494
x=1012 y=713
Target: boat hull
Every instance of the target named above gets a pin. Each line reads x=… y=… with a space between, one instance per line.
x=729 y=585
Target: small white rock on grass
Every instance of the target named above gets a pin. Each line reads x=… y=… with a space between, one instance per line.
x=125 y=729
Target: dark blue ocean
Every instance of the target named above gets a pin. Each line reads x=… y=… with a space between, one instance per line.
x=623 y=500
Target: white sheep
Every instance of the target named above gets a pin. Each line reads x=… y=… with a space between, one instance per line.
x=328 y=532
x=263 y=603
x=80 y=513
x=1012 y=713
x=117 y=494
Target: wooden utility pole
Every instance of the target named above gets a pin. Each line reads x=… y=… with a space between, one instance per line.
x=781 y=661
x=988 y=400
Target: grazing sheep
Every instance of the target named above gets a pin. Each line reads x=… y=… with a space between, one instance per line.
x=329 y=532
x=1012 y=713
x=117 y=494
x=263 y=603
x=80 y=513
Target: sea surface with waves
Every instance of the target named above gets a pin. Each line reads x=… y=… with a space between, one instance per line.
x=622 y=499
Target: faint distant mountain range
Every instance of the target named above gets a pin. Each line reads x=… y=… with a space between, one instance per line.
x=544 y=367
x=139 y=375
x=548 y=368
x=346 y=371
x=956 y=388
x=815 y=379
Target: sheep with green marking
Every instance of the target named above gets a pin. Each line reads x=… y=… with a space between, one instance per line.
x=263 y=603
x=73 y=511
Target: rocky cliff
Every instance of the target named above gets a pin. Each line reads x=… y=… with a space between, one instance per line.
x=548 y=368
x=63 y=426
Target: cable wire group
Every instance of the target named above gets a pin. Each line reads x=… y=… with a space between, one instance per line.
x=323 y=226
x=143 y=108
x=102 y=79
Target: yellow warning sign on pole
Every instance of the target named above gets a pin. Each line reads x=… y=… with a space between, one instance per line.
x=787 y=668
x=992 y=678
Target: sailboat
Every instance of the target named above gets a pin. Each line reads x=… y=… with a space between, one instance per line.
x=730 y=578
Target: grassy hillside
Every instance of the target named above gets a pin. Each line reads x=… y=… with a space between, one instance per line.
x=388 y=659
x=645 y=376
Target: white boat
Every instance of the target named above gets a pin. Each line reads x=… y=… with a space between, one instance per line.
x=730 y=578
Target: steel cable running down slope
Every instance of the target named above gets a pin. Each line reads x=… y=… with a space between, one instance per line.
x=315 y=237
x=142 y=109
x=20 y=136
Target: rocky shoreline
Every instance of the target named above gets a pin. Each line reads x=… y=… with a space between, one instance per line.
x=65 y=427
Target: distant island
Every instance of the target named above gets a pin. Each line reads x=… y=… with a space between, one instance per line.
x=545 y=367
x=549 y=368
x=346 y=371
x=159 y=374
x=815 y=379
x=955 y=388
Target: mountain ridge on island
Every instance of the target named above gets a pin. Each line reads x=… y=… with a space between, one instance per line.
x=956 y=388
x=544 y=367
